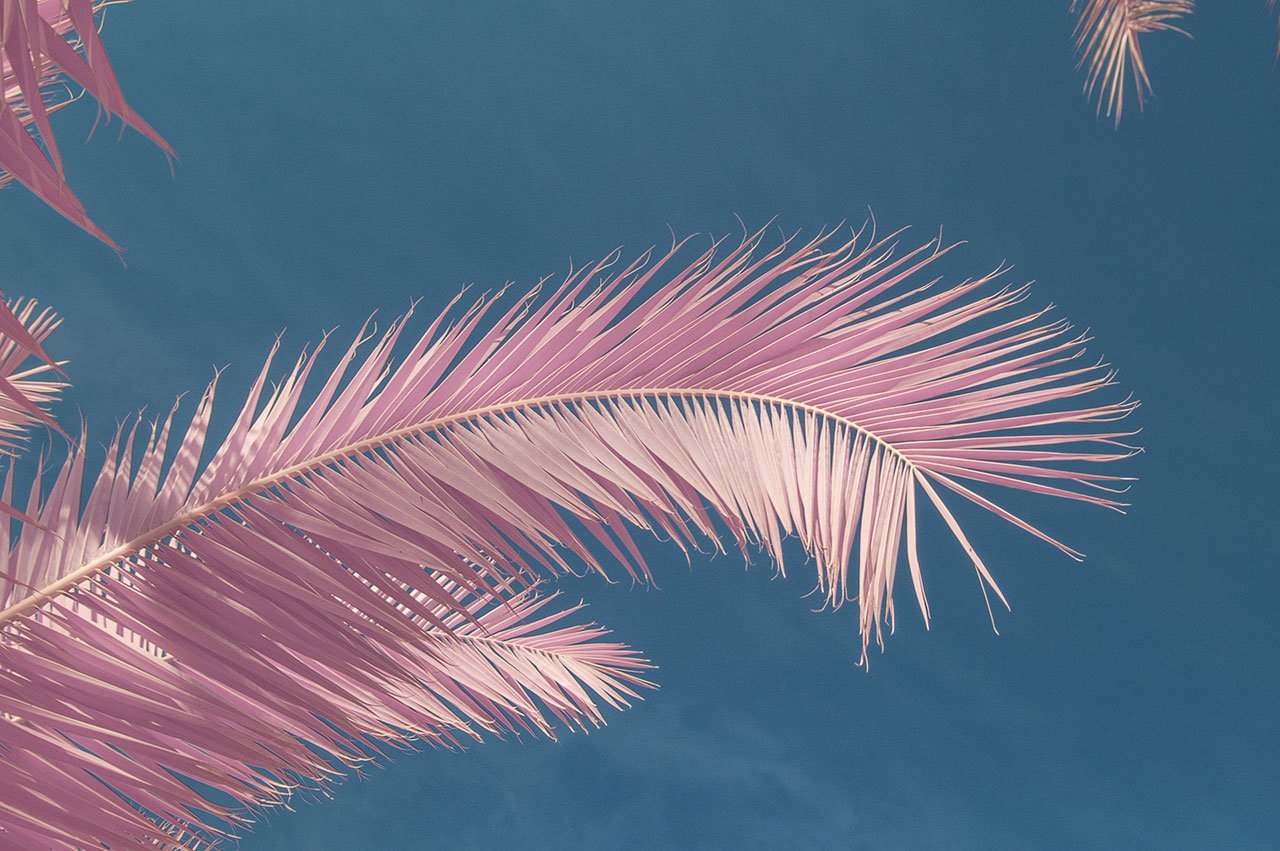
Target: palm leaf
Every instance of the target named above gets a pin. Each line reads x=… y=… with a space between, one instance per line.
x=42 y=41
x=1272 y=6
x=26 y=389
x=488 y=668
x=811 y=389
x=1108 y=43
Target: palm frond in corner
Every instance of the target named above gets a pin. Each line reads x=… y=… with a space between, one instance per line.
x=45 y=45
x=226 y=620
x=1108 y=37
x=256 y=735
x=26 y=384
x=1274 y=8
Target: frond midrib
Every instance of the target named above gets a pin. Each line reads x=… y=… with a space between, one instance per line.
x=202 y=512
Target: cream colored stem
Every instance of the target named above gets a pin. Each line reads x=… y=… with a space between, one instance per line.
x=196 y=515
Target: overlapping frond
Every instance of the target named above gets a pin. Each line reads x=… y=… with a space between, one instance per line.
x=1108 y=43
x=281 y=591
x=260 y=701
x=44 y=46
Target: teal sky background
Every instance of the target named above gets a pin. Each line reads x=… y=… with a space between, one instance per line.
x=343 y=158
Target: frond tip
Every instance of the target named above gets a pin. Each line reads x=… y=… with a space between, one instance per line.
x=1107 y=36
x=45 y=45
x=223 y=621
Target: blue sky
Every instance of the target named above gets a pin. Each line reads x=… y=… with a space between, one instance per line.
x=342 y=158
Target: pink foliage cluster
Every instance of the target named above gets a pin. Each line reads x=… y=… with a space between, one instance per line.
x=26 y=388
x=352 y=567
x=41 y=42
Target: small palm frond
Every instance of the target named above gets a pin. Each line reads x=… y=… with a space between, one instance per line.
x=1273 y=6
x=1108 y=34
x=26 y=386
x=41 y=41
x=225 y=620
x=492 y=666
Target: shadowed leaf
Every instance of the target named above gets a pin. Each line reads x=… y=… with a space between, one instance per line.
x=44 y=46
x=26 y=386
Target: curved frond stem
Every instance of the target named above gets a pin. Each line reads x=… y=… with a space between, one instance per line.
x=120 y=556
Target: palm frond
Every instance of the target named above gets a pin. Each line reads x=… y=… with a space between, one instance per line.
x=90 y=740
x=300 y=577
x=41 y=42
x=26 y=388
x=1272 y=7
x=1108 y=43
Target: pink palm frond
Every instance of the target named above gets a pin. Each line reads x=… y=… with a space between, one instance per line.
x=490 y=666
x=26 y=386
x=224 y=620
x=1108 y=34
x=41 y=42
x=1273 y=6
